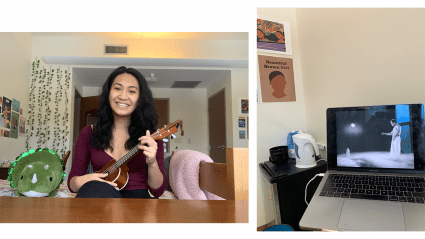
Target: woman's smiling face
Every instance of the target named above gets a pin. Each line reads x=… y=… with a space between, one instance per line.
x=124 y=94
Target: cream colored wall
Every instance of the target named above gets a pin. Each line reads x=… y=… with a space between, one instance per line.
x=15 y=49
x=276 y=119
x=191 y=106
x=189 y=49
x=355 y=57
x=239 y=91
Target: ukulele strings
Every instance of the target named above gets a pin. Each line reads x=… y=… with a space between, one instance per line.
x=130 y=153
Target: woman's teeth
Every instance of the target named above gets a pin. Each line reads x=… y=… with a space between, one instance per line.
x=124 y=105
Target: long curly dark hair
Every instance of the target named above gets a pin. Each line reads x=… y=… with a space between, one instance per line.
x=143 y=118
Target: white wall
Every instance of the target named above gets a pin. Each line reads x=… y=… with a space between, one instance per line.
x=276 y=119
x=15 y=49
x=355 y=57
x=191 y=106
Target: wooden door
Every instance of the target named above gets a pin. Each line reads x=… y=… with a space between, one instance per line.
x=77 y=111
x=161 y=106
x=89 y=111
x=217 y=127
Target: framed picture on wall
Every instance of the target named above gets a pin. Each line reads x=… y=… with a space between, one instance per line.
x=242 y=134
x=241 y=122
x=244 y=106
x=276 y=79
x=273 y=36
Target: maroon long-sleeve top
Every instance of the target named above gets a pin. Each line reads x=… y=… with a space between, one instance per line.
x=138 y=169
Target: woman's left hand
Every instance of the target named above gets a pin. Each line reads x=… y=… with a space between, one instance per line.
x=150 y=150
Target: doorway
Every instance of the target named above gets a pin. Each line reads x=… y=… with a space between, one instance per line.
x=217 y=126
x=77 y=108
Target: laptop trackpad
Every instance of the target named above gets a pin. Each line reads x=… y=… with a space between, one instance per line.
x=365 y=215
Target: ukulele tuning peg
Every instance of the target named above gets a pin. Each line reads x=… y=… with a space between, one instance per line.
x=165 y=140
x=173 y=136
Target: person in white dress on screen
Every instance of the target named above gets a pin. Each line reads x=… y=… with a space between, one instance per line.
x=396 y=140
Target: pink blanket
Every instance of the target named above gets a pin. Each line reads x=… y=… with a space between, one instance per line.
x=184 y=176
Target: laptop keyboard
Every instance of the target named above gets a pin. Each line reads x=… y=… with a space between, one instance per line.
x=386 y=188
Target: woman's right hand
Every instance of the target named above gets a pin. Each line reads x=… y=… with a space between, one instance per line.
x=95 y=176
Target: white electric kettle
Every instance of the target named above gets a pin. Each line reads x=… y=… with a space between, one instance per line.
x=306 y=150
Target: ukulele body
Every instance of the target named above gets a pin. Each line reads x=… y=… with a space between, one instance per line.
x=118 y=170
x=118 y=176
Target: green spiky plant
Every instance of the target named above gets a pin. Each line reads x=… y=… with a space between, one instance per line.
x=39 y=130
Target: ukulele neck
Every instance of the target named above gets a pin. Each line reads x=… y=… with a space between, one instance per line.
x=127 y=156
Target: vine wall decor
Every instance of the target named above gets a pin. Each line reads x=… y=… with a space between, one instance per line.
x=45 y=130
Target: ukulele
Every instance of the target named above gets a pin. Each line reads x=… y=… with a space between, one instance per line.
x=118 y=170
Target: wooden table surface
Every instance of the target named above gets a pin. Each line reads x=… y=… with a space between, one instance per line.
x=93 y=210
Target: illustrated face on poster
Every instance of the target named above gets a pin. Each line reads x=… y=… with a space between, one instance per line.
x=6 y=112
x=6 y=133
x=276 y=79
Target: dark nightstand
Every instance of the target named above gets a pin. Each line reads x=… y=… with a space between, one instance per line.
x=284 y=190
x=4 y=173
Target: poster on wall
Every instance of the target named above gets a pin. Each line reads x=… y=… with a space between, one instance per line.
x=6 y=113
x=242 y=134
x=16 y=105
x=244 y=106
x=241 y=122
x=21 y=126
x=6 y=133
x=1 y=132
x=14 y=125
x=276 y=79
x=273 y=36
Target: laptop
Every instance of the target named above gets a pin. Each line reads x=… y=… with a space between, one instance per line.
x=376 y=165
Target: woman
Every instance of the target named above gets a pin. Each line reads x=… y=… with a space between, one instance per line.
x=396 y=140
x=126 y=117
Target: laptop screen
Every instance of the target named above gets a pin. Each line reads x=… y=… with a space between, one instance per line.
x=376 y=138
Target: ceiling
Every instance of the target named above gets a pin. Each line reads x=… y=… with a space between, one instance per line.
x=94 y=77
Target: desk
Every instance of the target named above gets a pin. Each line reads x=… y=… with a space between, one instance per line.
x=94 y=210
x=284 y=190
